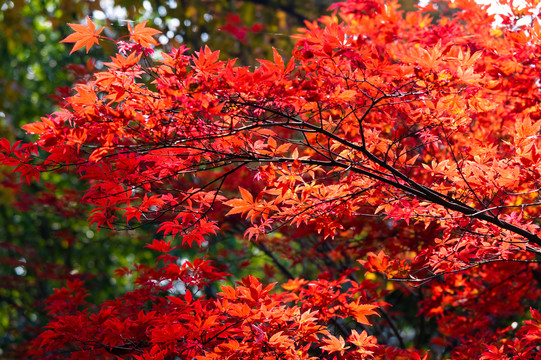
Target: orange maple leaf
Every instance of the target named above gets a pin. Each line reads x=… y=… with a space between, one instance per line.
x=363 y=341
x=83 y=36
x=143 y=35
x=335 y=344
x=35 y=128
x=241 y=205
x=360 y=311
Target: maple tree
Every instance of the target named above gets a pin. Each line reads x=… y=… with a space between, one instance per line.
x=45 y=240
x=388 y=170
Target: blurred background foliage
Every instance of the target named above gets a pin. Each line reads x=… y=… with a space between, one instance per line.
x=44 y=236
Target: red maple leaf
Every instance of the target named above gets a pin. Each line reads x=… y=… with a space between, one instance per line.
x=160 y=245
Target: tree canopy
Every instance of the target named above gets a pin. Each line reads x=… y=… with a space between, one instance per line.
x=385 y=169
x=35 y=71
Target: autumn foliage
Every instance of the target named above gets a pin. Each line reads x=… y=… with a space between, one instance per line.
x=388 y=169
